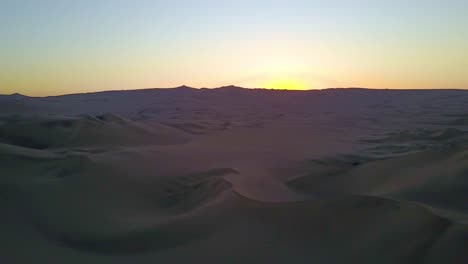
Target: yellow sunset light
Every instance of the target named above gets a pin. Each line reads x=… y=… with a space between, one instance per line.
x=287 y=84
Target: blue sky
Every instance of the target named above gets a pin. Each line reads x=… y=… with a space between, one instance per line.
x=53 y=47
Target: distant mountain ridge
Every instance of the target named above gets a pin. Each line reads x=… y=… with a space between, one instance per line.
x=227 y=88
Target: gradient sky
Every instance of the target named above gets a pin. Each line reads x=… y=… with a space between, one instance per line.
x=56 y=47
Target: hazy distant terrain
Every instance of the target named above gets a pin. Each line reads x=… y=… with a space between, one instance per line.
x=233 y=175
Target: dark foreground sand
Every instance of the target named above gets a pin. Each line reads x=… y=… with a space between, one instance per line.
x=235 y=176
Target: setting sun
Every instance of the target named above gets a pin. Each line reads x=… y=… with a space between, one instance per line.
x=286 y=84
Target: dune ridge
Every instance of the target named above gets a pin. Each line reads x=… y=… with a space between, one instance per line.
x=108 y=129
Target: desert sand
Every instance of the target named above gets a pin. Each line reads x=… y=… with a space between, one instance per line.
x=234 y=175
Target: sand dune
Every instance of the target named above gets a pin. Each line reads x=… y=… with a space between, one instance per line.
x=234 y=176
x=432 y=178
x=108 y=129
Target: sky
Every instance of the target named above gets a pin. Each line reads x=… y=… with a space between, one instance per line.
x=52 y=47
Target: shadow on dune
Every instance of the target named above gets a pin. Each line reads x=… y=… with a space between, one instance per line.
x=182 y=199
x=434 y=178
x=104 y=130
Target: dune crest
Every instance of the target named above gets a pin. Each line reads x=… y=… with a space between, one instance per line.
x=87 y=131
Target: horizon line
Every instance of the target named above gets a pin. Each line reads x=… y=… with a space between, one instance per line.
x=239 y=87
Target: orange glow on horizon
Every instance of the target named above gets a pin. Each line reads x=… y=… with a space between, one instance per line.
x=287 y=84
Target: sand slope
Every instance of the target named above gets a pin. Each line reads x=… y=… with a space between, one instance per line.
x=104 y=130
x=235 y=176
